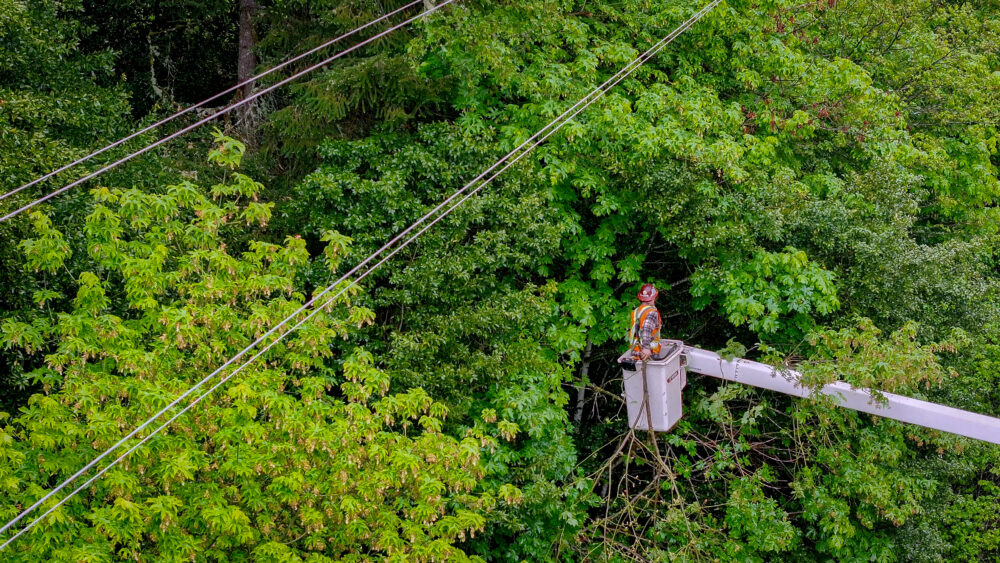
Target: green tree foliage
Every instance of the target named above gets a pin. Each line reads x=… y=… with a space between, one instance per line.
x=55 y=103
x=812 y=184
x=783 y=184
x=761 y=291
x=378 y=86
x=940 y=61
x=462 y=318
x=303 y=453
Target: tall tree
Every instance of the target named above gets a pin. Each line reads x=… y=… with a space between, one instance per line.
x=56 y=103
x=812 y=184
x=304 y=454
x=246 y=64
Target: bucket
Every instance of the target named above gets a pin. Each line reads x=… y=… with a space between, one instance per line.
x=665 y=378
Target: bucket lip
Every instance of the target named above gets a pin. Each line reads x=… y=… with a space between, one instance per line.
x=677 y=349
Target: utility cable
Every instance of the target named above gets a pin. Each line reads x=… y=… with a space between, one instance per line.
x=535 y=140
x=222 y=111
x=173 y=403
x=191 y=108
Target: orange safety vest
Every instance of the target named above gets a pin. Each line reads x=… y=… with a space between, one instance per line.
x=639 y=315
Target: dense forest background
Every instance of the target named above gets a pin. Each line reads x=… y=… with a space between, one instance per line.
x=809 y=183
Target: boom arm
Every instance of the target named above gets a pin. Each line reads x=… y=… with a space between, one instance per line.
x=905 y=409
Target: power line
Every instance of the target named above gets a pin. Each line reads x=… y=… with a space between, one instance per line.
x=535 y=140
x=173 y=403
x=191 y=108
x=221 y=112
x=91 y=464
x=604 y=87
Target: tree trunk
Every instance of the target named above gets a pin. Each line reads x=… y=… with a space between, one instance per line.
x=246 y=61
x=154 y=53
x=582 y=389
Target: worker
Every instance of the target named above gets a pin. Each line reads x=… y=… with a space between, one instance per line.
x=644 y=333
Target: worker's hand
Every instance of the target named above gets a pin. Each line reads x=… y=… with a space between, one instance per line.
x=645 y=354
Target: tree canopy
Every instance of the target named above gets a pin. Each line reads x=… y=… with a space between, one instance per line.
x=809 y=184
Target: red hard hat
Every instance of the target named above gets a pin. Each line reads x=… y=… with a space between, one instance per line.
x=647 y=293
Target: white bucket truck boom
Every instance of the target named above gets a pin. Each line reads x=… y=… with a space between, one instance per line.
x=653 y=392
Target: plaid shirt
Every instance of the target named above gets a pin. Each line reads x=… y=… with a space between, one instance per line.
x=648 y=329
